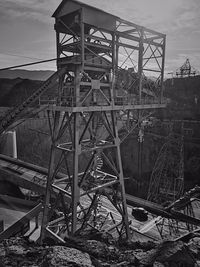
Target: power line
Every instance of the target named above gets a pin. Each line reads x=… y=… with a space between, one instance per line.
x=28 y=64
x=15 y=55
x=38 y=62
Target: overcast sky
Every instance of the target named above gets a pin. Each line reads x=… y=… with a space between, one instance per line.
x=27 y=34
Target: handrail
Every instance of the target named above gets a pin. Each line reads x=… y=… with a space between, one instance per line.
x=71 y=101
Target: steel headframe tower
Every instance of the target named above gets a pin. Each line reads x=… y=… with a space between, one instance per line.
x=95 y=48
x=186 y=70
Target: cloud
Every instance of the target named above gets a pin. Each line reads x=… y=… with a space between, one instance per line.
x=27 y=25
x=165 y=16
x=7 y=61
x=161 y=15
x=35 y=10
x=172 y=64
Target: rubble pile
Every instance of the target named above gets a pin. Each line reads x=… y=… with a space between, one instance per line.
x=82 y=252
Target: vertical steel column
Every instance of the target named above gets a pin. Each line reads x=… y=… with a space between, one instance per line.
x=114 y=65
x=82 y=41
x=75 y=187
x=76 y=145
x=115 y=52
x=78 y=72
x=57 y=47
x=140 y=74
x=121 y=176
x=50 y=177
x=140 y=63
x=162 y=70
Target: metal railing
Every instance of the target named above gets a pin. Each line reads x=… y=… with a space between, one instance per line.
x=72 y=101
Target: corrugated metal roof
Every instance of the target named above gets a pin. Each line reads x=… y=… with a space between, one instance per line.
x=81 y=5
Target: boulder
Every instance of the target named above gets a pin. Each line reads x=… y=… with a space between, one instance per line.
x=20 y=252
x=70 y=257
x=174 y=254
x=97 y=249
x=129 y=256
x=145 y=258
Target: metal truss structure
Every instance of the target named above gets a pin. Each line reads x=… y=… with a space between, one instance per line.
x=108 y=68
x=188 y=206
x=167 y=178
x=107 y=62
x=186 y=70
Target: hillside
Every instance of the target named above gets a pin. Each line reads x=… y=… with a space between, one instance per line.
x=184 y=98
x=40 y=75
x=14 y=91
x=183 y=94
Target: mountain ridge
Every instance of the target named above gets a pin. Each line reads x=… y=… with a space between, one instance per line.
x=40 y=75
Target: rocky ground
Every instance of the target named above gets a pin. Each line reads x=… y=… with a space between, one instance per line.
x=99 y=250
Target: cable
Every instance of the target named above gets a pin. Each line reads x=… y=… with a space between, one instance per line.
x=14 y=55
x=28 y=64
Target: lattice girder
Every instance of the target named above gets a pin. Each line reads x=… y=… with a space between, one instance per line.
x=79 y=152
x=95 y=48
